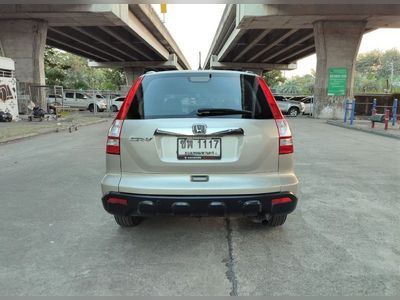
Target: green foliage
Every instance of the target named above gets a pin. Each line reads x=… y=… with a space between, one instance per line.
x=274 y=78
x=296 y=85
x=302 y=85
x=374 y=71
x=72 y=72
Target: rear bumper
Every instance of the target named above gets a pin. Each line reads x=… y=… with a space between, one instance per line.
x=246 y=205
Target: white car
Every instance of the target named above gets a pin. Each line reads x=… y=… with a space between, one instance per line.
x=308 y=105
x=116 y=103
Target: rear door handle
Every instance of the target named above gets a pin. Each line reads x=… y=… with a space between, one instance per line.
x=231 y=131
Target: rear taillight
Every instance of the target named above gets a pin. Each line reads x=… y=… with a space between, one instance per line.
x=117 y=201
x=281 y=200
x=285 y=136
x=113 y=139
x=114 y=134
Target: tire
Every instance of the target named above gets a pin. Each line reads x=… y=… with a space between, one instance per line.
x=127 y=221
x=277 y=220
x=114 y=108
x=91 y=108
x=293 y=111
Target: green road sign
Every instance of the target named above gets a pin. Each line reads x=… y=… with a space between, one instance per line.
x=337 y=84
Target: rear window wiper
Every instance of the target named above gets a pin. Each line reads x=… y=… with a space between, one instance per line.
x=202 y=112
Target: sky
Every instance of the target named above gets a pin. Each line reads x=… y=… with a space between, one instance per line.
x=193 y=27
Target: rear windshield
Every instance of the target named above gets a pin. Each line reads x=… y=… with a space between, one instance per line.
x=182 y=95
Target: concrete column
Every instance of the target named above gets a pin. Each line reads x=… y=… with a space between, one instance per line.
x=337 y=44
x=132 y=74
x=24 y=41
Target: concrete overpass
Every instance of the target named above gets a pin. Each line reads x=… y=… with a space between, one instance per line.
x=110 y=35
x=263 y=37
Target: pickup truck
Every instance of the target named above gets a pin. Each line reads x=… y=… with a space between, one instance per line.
x=78 y=100
x=290 y=107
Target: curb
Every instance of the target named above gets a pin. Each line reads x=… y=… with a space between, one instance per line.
x=50 y=130
x=397 y=137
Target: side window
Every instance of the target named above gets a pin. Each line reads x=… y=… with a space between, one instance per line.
x=120 y=99
x=69 y=95
x=136 y=109
x=80 y=96
x=254 y=100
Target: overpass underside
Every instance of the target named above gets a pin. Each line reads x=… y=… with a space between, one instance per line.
x=271 y=46
x=264 y=37
x=110 y=35
x=101 y=43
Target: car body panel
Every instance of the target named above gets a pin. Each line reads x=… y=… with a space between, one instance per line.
x=217 y=184
x=254 y=151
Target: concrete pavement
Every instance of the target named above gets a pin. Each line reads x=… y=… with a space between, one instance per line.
x=343 y=239
x=365 y=126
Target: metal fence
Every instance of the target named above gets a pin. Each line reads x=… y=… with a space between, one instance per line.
x=46 y=96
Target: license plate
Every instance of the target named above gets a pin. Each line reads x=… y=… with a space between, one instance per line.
x=199 y=148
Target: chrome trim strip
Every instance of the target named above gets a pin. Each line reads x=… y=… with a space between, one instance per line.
x=233 y=131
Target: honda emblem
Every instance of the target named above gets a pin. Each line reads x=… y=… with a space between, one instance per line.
x=199 y=129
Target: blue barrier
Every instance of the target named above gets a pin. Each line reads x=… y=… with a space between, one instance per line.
x=353 y=111
x=394 y=112
x=349 y=107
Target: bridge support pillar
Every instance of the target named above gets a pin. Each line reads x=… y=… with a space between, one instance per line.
x=337 y=44
x=132 y=74
x=24 y=41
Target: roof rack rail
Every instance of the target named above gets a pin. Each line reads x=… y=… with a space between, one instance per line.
x=150 y=72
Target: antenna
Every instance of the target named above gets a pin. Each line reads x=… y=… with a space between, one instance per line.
x=200 y=61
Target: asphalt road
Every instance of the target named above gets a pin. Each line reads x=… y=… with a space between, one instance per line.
x=344 y=238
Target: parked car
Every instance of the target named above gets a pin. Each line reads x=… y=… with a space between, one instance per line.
x=290 y=107
x=116 y=103
x=308 y=105
x=199 y=143
x=79 y=100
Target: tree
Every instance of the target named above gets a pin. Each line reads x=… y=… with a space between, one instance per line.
x=56 y=66
x=274 y=78
x=300 y=85
x=378 y=71
x=72 y=72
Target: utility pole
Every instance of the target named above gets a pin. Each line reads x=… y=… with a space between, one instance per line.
x=392 y=76
x=163 y=7
x=199 y=60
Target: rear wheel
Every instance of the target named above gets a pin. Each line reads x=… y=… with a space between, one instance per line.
x=91 y=108
x=114 y=108
x=127 y=221
x=294 y=111
x=276 y=220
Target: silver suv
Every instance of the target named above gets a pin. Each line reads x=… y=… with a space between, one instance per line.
x=199 y=143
